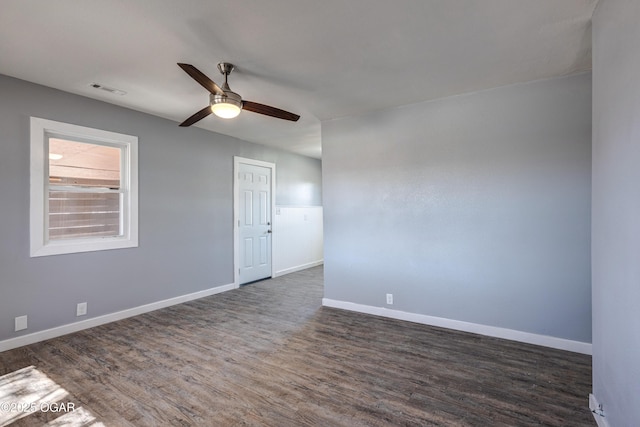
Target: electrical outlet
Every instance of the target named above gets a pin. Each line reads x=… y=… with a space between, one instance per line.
x=81 y=309
x=390 y=299
x=21 y=323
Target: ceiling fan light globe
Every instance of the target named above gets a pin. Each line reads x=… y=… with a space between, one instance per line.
x=226 y=106
x=225 y=110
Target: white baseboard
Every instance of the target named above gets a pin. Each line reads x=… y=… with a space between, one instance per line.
x=491 y=331
x=298 y=268
x=35 y=337
x=597 y=412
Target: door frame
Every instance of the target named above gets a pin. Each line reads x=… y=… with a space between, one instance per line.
x=237 y=160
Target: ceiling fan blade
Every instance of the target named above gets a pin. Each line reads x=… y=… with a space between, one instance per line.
x=269 y=111
x=197 y=116
x=205 y=81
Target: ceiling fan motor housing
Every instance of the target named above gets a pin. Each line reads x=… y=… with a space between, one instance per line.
x=228 y=98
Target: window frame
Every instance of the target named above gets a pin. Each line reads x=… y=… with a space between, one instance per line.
x=41 y=131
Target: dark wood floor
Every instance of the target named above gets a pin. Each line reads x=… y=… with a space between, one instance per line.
x=269 y=355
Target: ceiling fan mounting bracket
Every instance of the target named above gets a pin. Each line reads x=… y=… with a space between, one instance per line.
x=226 y=68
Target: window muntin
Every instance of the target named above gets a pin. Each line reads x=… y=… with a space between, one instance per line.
x=83 y=189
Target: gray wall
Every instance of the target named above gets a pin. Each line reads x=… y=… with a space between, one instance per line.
x=473 y=208
x=616 y=210
x=186 y=210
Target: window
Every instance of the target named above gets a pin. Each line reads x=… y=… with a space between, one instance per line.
x=84 y=189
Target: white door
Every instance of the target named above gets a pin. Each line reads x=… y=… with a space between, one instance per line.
x=254 y=222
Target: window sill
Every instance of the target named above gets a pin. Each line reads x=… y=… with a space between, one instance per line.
x=71 y=246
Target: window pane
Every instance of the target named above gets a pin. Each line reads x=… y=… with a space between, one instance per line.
x=83 y=164
x=83 y=214
x=76 y=211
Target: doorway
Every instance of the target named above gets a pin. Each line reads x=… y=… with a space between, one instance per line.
x=254 y=199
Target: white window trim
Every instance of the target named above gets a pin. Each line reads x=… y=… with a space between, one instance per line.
x=41 y=130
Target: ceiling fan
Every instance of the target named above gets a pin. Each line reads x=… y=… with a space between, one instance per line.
x=225 y=103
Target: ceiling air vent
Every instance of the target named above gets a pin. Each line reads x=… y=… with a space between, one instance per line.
x=108 y=89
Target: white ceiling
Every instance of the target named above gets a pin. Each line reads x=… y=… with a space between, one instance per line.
x=321 y=59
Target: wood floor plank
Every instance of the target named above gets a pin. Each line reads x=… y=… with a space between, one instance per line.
x=268 y=354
